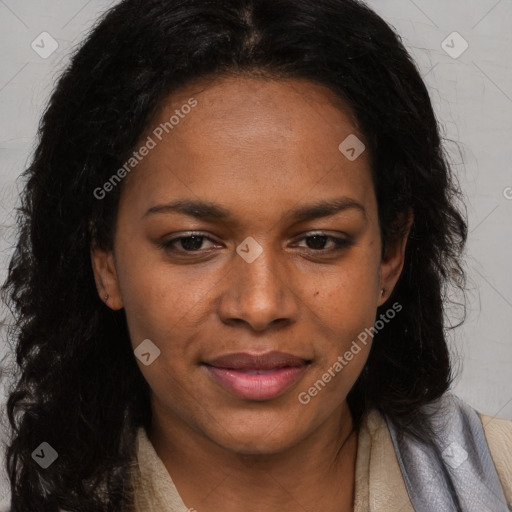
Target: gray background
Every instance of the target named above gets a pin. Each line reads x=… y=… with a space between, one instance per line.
x=472 y=96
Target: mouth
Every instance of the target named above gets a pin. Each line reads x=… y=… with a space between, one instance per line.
x=257 y=376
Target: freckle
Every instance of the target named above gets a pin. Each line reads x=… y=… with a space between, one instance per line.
x=316 y=293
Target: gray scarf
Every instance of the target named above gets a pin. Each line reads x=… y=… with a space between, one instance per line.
x=457 y=473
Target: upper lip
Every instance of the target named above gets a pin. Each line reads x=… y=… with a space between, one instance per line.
x=265 y=361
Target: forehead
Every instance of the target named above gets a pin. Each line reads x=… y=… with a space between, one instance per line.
x=251 y=137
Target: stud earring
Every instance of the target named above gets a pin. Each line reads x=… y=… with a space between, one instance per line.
x=382 y=292
x=106 y=297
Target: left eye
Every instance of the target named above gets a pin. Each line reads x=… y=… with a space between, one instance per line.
x=318 y=242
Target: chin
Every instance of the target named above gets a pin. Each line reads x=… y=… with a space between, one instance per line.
x=260 y=440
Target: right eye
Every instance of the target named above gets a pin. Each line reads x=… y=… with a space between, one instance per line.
x=191 y=243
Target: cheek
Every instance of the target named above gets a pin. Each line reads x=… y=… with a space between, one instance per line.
x=158 y=298
x=348 y=293
x=345 y=305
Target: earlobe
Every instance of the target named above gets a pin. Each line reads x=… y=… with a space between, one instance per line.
x=105 y=276
x=392 y=263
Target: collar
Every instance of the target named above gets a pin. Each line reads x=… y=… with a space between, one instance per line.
x=378 y=481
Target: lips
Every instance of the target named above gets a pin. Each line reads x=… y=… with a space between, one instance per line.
x=257 y=376
x=244 y=361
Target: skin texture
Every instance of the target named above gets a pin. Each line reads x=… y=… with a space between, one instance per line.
x=259 y=148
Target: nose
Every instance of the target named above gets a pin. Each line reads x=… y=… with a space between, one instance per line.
x=259 y=293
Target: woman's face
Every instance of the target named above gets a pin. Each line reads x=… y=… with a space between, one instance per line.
x=257 y=169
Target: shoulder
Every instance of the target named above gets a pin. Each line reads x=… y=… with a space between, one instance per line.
x=473 y=450
x=498 y=433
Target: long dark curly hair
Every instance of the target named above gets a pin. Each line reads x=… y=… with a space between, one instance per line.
x=78 y=385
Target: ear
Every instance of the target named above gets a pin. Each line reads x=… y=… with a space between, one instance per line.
x=105 y=276
x=393 y=262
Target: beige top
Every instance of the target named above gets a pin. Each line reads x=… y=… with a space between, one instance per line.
x=378 y=481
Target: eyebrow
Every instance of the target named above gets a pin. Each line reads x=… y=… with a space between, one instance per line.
x=209 y=210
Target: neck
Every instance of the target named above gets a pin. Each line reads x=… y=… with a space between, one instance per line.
x=318 y=473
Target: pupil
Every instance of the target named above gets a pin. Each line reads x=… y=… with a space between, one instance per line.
x=317 y=238
x=196 y=242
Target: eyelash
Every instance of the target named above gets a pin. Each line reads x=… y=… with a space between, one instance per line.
x=340 y=243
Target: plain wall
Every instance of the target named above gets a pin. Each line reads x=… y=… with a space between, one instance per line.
x=472 y=96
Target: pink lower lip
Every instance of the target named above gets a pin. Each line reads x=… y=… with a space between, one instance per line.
x=257 y=386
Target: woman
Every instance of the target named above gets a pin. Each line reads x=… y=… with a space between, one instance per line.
x=236 y=235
